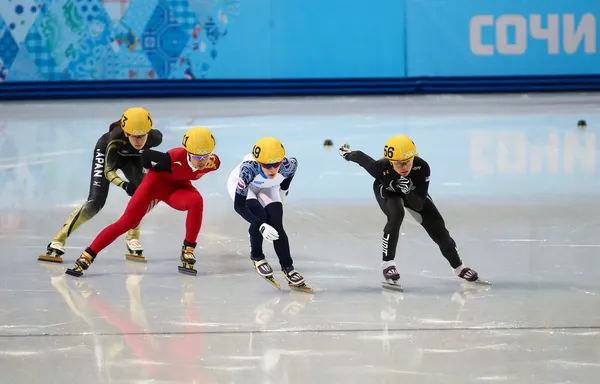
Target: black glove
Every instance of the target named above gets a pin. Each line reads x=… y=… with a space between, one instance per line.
x=344 y=151
x=129 y=188
x=405 y=185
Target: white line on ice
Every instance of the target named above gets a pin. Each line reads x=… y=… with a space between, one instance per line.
x=24 y=164
x=439 y=321
x=521 y=240
x=581 y=290
x=19 y=353
x=572 y=245
x=575 y=363
x=190 y=324
x=231 y=368
x=33 y=326
x=493 y=378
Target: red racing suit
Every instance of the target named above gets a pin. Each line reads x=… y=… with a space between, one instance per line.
x=173 y=186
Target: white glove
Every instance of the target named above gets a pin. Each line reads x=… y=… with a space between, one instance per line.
x=344 y=150
x=405 y=185
x=283 y=194
x=268 y=232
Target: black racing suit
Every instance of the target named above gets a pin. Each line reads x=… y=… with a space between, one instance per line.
x=112 y=152
x=392 y=202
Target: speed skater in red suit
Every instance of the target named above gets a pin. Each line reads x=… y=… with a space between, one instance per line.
x=169 y=180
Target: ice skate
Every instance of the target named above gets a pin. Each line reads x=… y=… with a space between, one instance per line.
x=54 y=252
x=82 y=264
x=265 y=271
x=188 y=260
x=391 y=277
x=470 y=276
x=296 y=281
x=135 y=251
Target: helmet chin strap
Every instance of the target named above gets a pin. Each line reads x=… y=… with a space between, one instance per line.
x=189 y=160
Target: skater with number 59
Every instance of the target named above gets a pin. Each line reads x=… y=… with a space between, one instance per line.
x=402 y=180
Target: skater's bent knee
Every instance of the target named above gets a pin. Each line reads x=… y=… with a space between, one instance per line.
x=197 y=200
x=92 y=207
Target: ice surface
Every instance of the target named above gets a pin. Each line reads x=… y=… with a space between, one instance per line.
x=515 y=180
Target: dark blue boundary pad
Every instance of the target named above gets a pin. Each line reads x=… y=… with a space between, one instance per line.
x=293 y=87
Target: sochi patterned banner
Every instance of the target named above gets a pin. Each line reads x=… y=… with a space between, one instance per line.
x=58 y=40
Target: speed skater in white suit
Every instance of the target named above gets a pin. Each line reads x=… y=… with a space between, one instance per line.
x=258 y=186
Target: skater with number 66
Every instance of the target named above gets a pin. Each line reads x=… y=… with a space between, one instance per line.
x=402 y=180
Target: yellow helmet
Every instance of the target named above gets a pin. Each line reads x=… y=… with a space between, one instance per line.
x=198 y=141
x=136 y=121
x=399 y=148
x=268 y=150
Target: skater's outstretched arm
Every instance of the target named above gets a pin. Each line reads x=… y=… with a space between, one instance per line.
x=162 y=160
x=371 y=165
x=155 y=138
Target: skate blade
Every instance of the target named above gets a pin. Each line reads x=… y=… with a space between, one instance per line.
x=272 y=281
x=392 y=287
x=73 y=272
x=50 y=259
x=136 y=258
x=301 y=288
x=187 y=271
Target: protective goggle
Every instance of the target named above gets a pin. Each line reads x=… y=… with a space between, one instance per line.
x=271 y=166
x=401 y=163
x=199 y=157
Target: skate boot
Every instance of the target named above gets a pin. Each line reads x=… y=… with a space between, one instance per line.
x=188 y=259
x=82 y=264
x=54 y=252
x=470 y=275
x=135 y=251
x=295 y=280
x=265 y=271
x=391 y=277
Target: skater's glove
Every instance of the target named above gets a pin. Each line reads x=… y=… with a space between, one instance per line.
x=405 y=185
x=268 y=232
x=344 y=151
x=129 y=188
